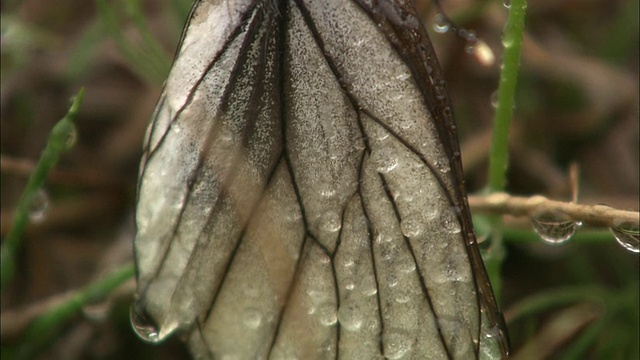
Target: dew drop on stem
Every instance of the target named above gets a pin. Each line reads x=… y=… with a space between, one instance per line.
x=626 y=234
x=441 y=24
x=554 y=228
x=38 y=206
x=72 y=137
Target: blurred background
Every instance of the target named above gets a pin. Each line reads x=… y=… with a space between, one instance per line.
x=576 y=103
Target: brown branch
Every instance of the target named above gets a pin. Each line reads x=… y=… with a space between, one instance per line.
x=501 y=203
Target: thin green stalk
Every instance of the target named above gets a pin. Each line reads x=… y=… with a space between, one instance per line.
x=555 y=298
x=580 y=347
x=498 y=157
x=47 y=325
x=155 y=52
x=615 y=303
x=140 y=61
x=85 y=50
x=59 y=142
x=512 y=42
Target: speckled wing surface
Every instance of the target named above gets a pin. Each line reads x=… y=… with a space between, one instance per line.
x=301 y=192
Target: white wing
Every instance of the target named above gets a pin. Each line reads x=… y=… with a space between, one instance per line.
x=301 y=192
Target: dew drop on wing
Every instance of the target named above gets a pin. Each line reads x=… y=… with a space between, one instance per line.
x=396 y=343
x=411 y=226
x=330 y=222
x=144 y=327
x=327 y=314
x=350 y=317
x=385 y=160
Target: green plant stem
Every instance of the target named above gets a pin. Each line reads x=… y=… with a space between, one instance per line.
x=145 y=64
x=155 y=53
x=58 y=144
x=579 y=348
x=498 y=157
x=512 y=42
x=556 y=298
x=46 y=326
x=615 y=304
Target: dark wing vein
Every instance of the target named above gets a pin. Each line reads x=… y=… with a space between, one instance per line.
x=423 y=286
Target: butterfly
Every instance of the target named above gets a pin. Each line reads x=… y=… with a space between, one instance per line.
x=301 y=191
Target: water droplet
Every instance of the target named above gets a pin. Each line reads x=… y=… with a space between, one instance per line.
x=381 y=135
x=252 y=318
x=144 y=327
x=368 y=289
x=507 y=40
x=443 y=166
x=390 y=253
x=406 y=125
x=554 y=228
x=469 y=35
x=350 y=317
x=72 y=137
x=401 y=296
x=441 y=24
x=292 y=213
x=406 y=266
x=431 y=213
x=324 y=259
x=452 y=226
x=328 y=191
x=359 y=143
x=403 y=76
x=330 y=222
x=396 y=343
x=411 y=226
x=326 y=348
x=494 y=99
x=38 y=206
x=470 y=48
x=97 y=311
x=348 y=262
x=385 y=160
x=383 y=238
x=349 y=286
x=626 y=233
x=327 y=314
x=392 y=281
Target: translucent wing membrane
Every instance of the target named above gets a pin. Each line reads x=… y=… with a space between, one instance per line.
x=301 y=192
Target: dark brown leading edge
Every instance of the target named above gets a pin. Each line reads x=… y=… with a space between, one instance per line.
x=266 y=198
x=414 y=46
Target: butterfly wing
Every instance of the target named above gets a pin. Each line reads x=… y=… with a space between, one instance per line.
x=301 y=192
